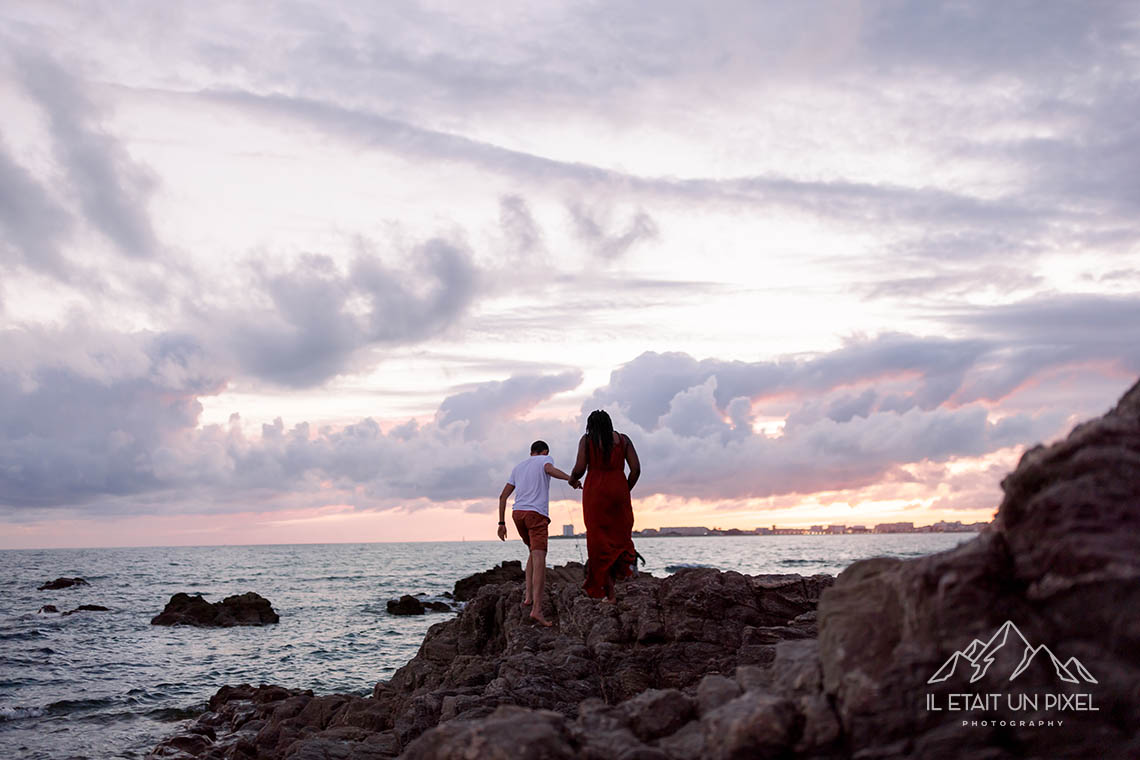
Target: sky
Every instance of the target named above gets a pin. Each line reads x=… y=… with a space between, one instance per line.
x=319 y=272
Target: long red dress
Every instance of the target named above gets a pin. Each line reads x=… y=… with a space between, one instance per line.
x=608 y=512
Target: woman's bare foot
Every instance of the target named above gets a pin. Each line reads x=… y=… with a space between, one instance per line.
x=525 y=603
x=537 y=617
x=610 y=600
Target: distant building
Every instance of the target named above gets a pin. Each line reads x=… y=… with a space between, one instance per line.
x=895 y=527
x=816 y=529
x=684 y=531
x=836 y=528
x=787 y=531
x=568 y=531
x=858 y=529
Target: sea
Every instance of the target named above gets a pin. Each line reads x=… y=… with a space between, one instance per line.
x=101 y=685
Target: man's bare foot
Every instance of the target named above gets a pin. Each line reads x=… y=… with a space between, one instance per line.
x=537 y=617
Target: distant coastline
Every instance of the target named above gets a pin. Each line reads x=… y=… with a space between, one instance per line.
x=815 y=530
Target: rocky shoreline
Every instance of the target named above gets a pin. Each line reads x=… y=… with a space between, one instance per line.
x=1041 y=612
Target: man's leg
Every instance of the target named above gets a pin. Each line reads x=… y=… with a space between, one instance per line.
x=527 y=596
x=538 y=579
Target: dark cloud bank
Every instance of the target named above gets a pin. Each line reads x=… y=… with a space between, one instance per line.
x=121 y=434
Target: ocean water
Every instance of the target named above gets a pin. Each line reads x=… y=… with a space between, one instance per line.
x=110 y=685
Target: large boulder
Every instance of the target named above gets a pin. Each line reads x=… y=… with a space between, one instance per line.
x=242 y=609
x=59 y=583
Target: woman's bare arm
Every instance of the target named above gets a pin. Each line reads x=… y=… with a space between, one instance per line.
x=579 y=464
x=633 y=461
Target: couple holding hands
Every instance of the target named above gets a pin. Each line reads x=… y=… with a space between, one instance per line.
x=606 y=508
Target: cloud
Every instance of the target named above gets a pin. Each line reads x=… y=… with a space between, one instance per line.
x=112 y=188
x=115 y=428
x=33 y=226
x=592 y=228
x=486 y=402
x=318 y=316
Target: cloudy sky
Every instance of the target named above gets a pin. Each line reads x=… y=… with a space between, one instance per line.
x=322 y=271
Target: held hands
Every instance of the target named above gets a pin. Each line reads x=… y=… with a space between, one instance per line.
x=575 y=483
x=502 y=532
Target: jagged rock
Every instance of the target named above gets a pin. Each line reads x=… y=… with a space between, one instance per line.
x=59 y=583
x=491 y=656
x=49 y=608
x=87 y=608
x=510 y=571
x=405 y=605
x=242 y=609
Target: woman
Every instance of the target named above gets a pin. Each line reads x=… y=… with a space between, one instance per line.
x=606 y=505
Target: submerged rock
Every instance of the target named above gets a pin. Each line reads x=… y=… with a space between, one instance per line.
x=87 y=608
x=49 y=608
x=59 y=583
x=242 y=609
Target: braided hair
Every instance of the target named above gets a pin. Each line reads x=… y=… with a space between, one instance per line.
x=600 y=430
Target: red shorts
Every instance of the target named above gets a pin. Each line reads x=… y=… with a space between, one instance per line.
x=532 y=528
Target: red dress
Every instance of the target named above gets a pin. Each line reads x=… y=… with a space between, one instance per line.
x=608 y=512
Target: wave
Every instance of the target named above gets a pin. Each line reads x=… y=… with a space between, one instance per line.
x=687 y=566
x=18 y=713
x=803 y=562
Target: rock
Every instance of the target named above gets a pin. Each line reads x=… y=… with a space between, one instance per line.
x=438 y=607
x=242 y=609
x=510 y=571
x=87 y=608
x=509 y=733
x=405 y=605
x=1061 y=563
x=49 y=608
x=490 y=657
x=59 y=583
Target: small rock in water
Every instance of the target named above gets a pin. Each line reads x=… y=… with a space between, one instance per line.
x=59 y=583
x=406 y=605
x=243 y=609
x=49 y=608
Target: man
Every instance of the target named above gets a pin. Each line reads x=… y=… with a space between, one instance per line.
x=530 y=483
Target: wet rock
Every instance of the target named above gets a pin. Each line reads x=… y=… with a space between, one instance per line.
x=405 y=605
x=437 y=607
x=87 y=608
x=48 y=608
x=59 y=583
x=510 y=571
x=241 y=609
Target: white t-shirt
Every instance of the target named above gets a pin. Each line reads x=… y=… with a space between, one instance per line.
x=532 y=484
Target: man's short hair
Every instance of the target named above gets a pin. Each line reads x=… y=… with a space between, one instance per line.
x=538 y=447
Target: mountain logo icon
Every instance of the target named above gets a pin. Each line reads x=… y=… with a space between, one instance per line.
x=1008 y=641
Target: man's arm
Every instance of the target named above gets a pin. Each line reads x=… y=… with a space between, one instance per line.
x=508 y=489
x=554 y=472
x=633 y=461
x=579 y=464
